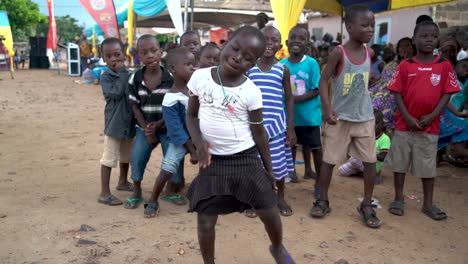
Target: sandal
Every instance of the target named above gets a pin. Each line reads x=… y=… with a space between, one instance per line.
x=133 y=203
x=288 y=259
x=285 y=209
x=369 y=217
x=434 y=213
x=176 y=199
x=110 y=200
x=397 y=208
x=129 y=188
x=320 y=208
x=250 y=213
x=151 y=209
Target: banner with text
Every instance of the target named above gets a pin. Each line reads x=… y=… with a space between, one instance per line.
x=103 y=12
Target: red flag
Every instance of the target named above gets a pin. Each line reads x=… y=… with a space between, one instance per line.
x=52 y=34
x=103 y=12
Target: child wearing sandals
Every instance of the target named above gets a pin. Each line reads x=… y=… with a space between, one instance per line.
x=148 y=87
x=422 y=86
x=272 y=77
x=181 y=63
x=119 y=126
x=225 y=121
x=349 y=127
x=305 y=76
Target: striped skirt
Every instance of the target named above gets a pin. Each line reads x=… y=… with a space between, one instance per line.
x=281 y=157
x=232 y=183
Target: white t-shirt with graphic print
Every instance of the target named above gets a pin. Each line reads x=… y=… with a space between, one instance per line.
x=225 y=128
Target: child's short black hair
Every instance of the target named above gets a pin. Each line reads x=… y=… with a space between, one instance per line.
x=174 y=55
x=399 y=43
x=300 y=27
x=209 y=45
x=188 y=33
x=424 y=24
x=378 y=115
x=354 y=10
x=109 y=41
x=423 y=18
x=251 y=31
x=145 y=37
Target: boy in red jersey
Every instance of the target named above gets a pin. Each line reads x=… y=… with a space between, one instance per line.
x=422 y=87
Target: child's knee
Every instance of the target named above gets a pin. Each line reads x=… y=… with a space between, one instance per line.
x=206 y=223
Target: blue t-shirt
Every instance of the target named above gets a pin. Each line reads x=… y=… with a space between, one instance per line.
x=305 y=76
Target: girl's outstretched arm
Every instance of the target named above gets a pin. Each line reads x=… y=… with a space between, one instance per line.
x=260 y=137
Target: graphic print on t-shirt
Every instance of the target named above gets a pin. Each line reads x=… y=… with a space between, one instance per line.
x=355 y=83
x=298 y=86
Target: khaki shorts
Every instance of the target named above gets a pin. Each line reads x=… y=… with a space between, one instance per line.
x=115 y=150
x=354 y=139
x=415 y=150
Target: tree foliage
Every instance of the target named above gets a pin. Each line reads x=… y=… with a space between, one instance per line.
x=67 y=28
x=24 y=16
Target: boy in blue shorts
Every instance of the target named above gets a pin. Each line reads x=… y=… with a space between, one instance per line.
x=181 y=63
x=148 y=86
x=305 y=76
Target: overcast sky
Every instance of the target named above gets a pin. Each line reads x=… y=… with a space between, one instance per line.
x=74 y=9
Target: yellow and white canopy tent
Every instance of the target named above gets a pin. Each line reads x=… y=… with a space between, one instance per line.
x=287 y=12
x=6 y=43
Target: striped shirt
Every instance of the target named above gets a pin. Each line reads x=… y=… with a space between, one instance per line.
x=271 y=85
x=150 y=102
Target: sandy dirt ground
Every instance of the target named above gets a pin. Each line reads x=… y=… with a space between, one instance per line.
x=51 y=142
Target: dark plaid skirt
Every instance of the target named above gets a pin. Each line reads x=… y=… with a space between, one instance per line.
x=232 y=183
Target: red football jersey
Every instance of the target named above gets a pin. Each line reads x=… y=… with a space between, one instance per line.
x=422 y=85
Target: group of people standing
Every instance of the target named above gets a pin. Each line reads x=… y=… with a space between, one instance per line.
x=238 y=113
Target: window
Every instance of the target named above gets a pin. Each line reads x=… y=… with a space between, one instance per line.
x=382 y=31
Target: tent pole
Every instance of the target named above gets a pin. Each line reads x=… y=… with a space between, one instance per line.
x=191 y=12
x=185 y=15
x=342 y=15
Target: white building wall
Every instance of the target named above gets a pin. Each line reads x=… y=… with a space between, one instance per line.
x=401 y=23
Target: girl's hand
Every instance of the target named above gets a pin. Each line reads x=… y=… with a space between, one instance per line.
x=291 y=139
x=203 y=154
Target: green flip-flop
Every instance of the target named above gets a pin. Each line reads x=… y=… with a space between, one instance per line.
x=176 y=199
x=133 y=203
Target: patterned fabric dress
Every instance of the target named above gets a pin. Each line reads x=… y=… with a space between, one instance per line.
x=382 y=99
x=453 y=129
x=271 y=85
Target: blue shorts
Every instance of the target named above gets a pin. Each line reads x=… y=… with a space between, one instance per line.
x=174 y=155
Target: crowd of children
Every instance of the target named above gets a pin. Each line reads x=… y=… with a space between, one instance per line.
x=238 y=112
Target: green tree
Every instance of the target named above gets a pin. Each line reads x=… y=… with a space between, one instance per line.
x=24 y=17
x=67 y=28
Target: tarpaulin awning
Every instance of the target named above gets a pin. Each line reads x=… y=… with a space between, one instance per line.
x=336 y=7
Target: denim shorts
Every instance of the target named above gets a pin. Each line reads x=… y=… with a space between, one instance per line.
x=174 y=155
x=141 y=154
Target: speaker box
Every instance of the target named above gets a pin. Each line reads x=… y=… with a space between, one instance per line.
x=39 y=62
x=38 y=46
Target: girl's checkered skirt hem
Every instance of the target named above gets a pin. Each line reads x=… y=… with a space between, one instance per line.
x=232 y=183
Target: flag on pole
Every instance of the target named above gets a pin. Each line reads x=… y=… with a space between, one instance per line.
x=6 y=43
x=103 y=12
x=52 y=34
